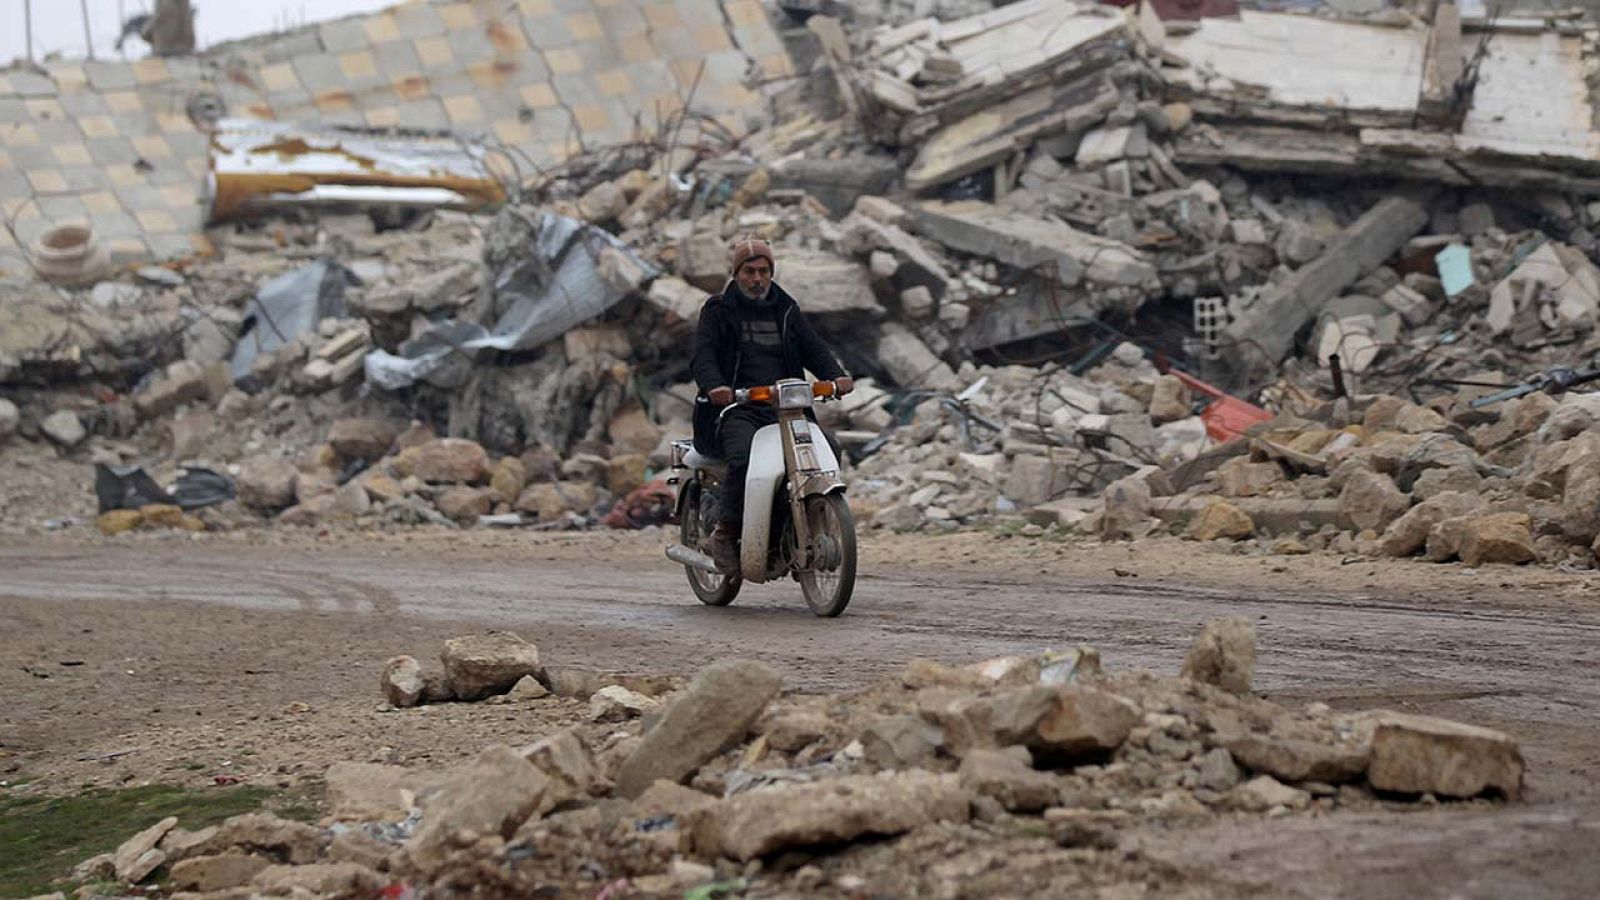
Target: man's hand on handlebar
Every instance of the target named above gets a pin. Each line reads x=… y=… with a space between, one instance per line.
x=721 y=396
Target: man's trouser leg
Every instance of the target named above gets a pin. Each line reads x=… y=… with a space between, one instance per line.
x=738 y=430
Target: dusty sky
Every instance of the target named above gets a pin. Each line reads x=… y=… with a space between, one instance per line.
x=58 y=24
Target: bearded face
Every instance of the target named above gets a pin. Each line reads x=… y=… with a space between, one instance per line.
x=754 y=278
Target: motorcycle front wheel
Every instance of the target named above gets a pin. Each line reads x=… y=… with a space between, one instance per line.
x=831 y=578
x=713 y=589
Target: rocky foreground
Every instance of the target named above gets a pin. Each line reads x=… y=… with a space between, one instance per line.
x=913 y=787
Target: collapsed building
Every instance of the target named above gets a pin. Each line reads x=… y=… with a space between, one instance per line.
x=440 y=264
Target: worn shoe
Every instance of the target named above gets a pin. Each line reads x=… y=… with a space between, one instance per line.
x=725 y=550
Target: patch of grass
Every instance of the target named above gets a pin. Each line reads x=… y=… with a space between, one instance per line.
x=44 y=837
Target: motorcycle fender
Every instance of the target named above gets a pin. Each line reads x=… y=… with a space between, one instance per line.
x=761 y=484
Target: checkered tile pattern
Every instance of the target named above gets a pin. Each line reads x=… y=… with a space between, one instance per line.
x=110 y=142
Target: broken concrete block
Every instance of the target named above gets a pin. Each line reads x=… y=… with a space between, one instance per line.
x=132 y=858
x=916 y=302
x=464 y=504
x=1008 y=777
x=494 y=794
x=565 y=759
x=1170 y=400
x=1371 y=500
x=64 y=429
x=909 y=361
x=549 y=501
x=402 y=681
x=1082 y=722
x=216 y=873
x=364 y=439
x=369 y=792
x=293 y=842
x=825 y=284
x=1420 y=754
x=1224 y=654
x=1293 y=759
x=882 y=265
x=1264 y=792
x=342 y=879
x=1221 y=520
x=1217 y=770
x=482 y=664
x=835 y=811
x=605 y=202
x=1250 y=232
x=901 y=742
x=445 y=460
x=1059 y=252
x=1498 y=538
x=716 y=711
x=615 y=703
x=266 y=484
x=1409 y=533
x=184 y=382
x=1274 y=318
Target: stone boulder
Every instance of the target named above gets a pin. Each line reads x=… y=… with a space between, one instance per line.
x=363 y=439
x=479 y=665
x=446 y=461
x=1224 y=654
x=1409 y=533
x=1221 y=520
x=493 y=795
x=266 y=484
x=829 y=812
x=716 y=711
x=1420 y=754
x=1371 y=500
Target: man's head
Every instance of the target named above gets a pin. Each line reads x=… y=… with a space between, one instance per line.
x=752 y=263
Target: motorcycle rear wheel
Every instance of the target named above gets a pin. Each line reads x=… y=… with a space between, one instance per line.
x=711 y=588
x=831 y=579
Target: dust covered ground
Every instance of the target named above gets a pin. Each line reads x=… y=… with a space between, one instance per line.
x=255 y=656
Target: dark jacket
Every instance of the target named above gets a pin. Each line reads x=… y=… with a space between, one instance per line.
x=716 y=353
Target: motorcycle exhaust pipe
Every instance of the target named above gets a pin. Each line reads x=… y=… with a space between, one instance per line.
x=691 y=557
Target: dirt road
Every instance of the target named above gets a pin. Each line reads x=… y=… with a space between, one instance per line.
x=191 y=651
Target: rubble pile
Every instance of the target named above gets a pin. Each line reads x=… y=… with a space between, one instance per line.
x=1029 y=231
x=728 y=778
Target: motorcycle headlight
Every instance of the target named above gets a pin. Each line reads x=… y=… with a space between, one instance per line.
x=794 y=395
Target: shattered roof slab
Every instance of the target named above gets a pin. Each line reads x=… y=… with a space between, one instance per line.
x=1304 y=61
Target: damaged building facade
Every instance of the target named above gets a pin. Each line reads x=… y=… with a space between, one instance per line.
x=1239 y=276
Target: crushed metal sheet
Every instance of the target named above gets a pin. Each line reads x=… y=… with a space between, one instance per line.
x=571 y=273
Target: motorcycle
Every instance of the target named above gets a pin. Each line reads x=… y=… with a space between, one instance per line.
x=796 y=519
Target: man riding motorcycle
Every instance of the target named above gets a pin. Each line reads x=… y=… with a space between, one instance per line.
x=751 y=334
